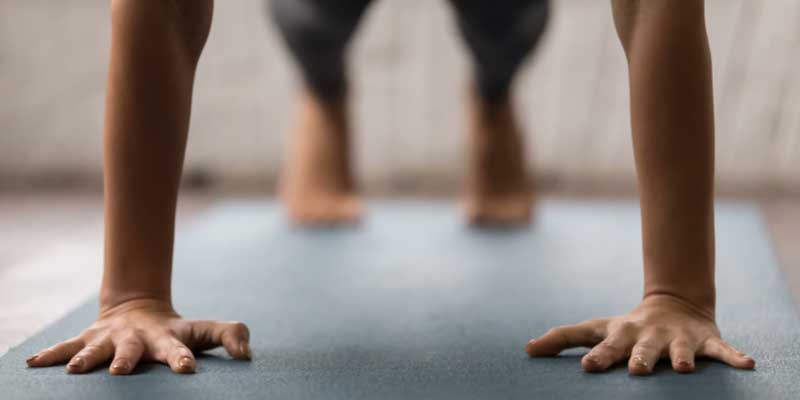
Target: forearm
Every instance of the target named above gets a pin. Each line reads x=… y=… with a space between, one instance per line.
x=673 y=136
x=672 y=116
x=147 y=117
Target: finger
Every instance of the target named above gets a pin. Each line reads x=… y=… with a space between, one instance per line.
x=181 y=359
x=171 y=351
x=89 y=357
x=129 y=351
x=611 y=350
x=645 y=355
x=585 y=334
x=234 y=336
x=58 y=354
x=681 y=353
x=718 y=349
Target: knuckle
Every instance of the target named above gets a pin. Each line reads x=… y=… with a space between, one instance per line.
x=240 y=329
x=240 y=326
x=647 y=347
x=557 y=331
x=129 y=340
x=54 y=347
x=91 y=333
x=607 y=347
x=627 y=326
x=137 y=332
x=197 y=333
x=92 y=347
x=597 y=323
x=183 y=326
x=596 y=333
x=681 y=344
x=728 y=346
x=659 y=331
x=126 y=334
x=561 y=334
x=177 y=346
x=85 y=353
x=165 y=332
x=120 y=332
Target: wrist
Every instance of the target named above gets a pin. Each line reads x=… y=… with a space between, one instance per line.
x=116 y=300
x=690 y=280
x=126 y=282
x=701 y=301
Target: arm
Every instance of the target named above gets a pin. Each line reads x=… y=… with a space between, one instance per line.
x=672 y=113
x=155 y=48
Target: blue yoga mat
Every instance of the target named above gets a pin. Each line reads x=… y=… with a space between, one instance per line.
x=413 y=304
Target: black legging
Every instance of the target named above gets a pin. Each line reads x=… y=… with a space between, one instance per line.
x=499 y=34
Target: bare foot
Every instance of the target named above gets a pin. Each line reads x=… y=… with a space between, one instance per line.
x=499 y=190
x=317 y=185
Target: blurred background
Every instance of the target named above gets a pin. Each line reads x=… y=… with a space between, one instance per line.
x=409 y=74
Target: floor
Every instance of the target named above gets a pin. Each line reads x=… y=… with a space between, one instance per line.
x=51 y=256
x=51 y=253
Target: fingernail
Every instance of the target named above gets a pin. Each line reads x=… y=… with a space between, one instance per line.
x=592 y=364
x=244 y=350
x=186 y=363
x=639 y=360
x=32 y=358
x=684 y=364
x=529 y=348
x=120 y=366
x=75 y=365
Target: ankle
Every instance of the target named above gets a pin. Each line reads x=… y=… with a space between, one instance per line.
x=491 y=108
x=332 y=109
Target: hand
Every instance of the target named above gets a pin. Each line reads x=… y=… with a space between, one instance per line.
x=661 y=326
x=144 y=330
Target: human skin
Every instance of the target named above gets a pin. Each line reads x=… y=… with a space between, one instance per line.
x=669 y=62
x=318 y=182
x=155 y=48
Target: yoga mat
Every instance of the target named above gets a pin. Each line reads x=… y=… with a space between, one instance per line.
x=413 y=304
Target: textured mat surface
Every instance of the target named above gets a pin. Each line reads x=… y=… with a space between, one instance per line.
x=415 y=305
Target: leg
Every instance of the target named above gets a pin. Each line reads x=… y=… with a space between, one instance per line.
x=318 y=186
x=499 y=36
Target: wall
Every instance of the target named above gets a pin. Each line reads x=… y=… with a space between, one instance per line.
x=409 y=73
